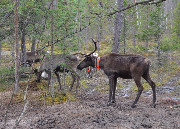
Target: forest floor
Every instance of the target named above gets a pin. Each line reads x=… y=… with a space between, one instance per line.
x=90 y=111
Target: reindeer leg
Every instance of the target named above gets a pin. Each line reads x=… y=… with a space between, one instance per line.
x=111 y=83
x=74 y=78
x=49 y=80
x=140 y=89
x=153 y=86
x=114 y=90
x=59 y=81
x=78 y=78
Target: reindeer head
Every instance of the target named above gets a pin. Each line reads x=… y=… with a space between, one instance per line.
x=89 y=59
x=38 y=75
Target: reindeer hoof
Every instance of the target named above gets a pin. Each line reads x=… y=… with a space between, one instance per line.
x=153 y=105
x=70 y=88
x=133 y=106
x=113 y=103
x=109 y=104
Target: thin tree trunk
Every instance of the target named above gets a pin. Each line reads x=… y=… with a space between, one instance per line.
x=33 y=45
x=16 y=87
x=12 y=51
x=23 y=46
x=134 y=29
x=52 y=49
x=158 y=41
x=100 y=30
x=100 y=33
x=159 y=52
x=124 y=33
x=0 y=51
x=86 y=37
x=117 y=28
x=147 y=27
x=134 y=38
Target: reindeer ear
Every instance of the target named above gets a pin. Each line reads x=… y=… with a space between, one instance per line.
x=94 y=41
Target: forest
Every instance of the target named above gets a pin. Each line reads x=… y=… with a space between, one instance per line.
x=43 y=42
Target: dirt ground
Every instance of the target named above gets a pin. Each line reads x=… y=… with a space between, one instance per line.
x=90 y=111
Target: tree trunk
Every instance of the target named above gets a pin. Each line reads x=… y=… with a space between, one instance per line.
x=134 y=38
x=52 y=48
x=134 y=28
x=0 y=52
x=16 y=87
x=86 y=32
x=12 y=50
x=100 y=30
x=33 y=45
x=117 y=28
x=23 y=46
x=124 y=34
x=147 y=27
x=158 y=41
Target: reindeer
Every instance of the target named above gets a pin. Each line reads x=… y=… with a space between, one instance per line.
x=60 y=63
x=123 y=66
x=34 y=57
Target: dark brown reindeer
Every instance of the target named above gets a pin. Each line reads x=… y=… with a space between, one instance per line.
x=60 y=63
x=123 y=66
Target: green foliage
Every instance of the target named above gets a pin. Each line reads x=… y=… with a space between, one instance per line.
x=140 y=48
x=4 y=71
x=176 y=20
x=6 y=83
x=169 y=43
x=151 y=26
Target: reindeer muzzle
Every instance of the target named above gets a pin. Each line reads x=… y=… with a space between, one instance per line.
x=78 y=67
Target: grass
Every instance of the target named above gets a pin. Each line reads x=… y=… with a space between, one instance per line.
x=6 y=83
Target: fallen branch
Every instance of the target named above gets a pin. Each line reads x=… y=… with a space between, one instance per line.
x=25 y=105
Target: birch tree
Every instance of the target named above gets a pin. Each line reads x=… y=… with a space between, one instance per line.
x=16 y=87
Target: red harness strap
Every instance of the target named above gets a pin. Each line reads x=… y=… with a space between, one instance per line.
x=98 y=61
x=89 y=69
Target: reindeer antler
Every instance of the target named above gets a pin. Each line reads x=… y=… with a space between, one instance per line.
x=94 y=49
x=79 y=53
x=89 y=53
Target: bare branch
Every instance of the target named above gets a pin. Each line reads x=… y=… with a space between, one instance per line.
x=147 y=2
x=99 y=15
x=75 y=32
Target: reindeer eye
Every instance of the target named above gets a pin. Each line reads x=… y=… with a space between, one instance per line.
x=87 y=59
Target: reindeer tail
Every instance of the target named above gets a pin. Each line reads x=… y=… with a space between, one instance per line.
x=148 y=61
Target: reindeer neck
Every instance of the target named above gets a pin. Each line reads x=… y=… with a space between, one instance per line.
x=103 y=60
x=98 y=63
